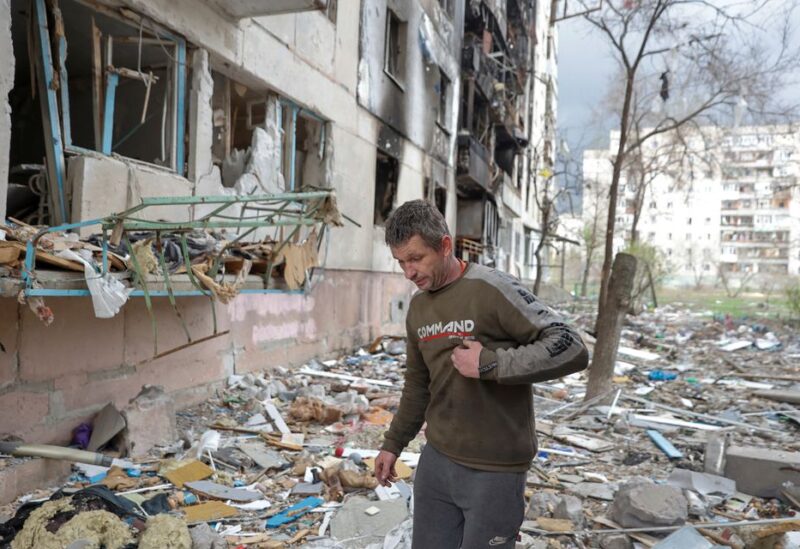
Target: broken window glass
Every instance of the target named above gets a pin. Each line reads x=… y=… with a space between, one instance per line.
x=127 y=76
x=386 y=176
x=394 y=48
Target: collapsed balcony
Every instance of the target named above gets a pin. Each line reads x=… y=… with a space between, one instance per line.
x=251 y=215
x=134 y=256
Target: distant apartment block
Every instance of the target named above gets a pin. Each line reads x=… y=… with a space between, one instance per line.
x=725 y=204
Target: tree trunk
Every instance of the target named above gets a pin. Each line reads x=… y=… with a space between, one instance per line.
x=537 y=254
x=537 y=282
x=613 y=191
x=609 y=326
x=586 y=268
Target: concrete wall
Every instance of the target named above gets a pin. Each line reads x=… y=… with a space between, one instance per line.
x=6 y=84
x=102 y=185
x=410 y=103
x=53 y=378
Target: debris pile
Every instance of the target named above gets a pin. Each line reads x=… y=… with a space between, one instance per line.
x=696 y=456
x=209 y=255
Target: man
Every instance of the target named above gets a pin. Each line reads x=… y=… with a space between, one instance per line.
x=477 y=339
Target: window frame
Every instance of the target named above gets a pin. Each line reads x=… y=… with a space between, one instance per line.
x=397 y=73
x=296 y=111
x=177 y=47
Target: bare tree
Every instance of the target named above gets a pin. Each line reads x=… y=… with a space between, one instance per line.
x=734 y=285
x=698 y=264
x=548 y=192
x=590 y=236
x=707 y=62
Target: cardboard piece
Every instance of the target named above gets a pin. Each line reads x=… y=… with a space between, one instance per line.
x=192 y=471
x=107 y=424
x=205 y=512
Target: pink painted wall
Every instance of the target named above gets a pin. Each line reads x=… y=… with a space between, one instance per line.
x=53 y=378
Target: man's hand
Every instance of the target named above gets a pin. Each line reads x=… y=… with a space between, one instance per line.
x=384 y=468
x=467 y=358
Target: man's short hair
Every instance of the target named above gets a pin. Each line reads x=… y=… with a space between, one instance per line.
x=416 y=217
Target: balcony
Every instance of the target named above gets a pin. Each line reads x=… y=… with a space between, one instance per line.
x=476 y=63
x=511 y=197
x=472 y=169
x=242 y=9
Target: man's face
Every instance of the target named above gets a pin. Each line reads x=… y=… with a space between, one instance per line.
x=421 y=264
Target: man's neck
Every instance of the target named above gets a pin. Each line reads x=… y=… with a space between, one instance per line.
x=453 y=271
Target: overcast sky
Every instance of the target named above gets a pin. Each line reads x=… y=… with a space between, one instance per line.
x=585 y=66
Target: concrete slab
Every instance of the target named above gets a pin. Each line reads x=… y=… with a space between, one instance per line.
x=360 y=529
x=759 y=471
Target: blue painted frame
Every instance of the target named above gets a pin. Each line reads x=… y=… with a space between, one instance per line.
x=297 y=110
x=46 y=61
x=112 y=80
x=178 y=162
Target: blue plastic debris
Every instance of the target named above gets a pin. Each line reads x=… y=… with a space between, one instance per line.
x=294 y=512
x=664 y=445
x=661 y=375
x=135 y=473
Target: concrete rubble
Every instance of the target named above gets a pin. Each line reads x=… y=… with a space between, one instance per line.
x=284 y=457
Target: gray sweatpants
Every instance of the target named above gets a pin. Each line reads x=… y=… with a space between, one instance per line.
x=456 y=506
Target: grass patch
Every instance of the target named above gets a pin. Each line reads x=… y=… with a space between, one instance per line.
x=717 y=302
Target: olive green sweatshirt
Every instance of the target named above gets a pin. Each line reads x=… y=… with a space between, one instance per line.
x=486 y=423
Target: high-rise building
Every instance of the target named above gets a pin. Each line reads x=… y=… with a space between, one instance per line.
x=725 y=204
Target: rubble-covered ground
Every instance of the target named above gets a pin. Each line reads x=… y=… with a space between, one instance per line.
x=701 y=430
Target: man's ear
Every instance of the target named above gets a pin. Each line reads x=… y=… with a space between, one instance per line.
x=447 y=245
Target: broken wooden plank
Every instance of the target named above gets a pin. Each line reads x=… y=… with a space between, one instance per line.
x=698 y=415
x=281 y=444
x=344 y=377
x=46 y=257
x=666 y=420
x=768 y=376
x=574 y=438
x=792 y=397
x=97 y=86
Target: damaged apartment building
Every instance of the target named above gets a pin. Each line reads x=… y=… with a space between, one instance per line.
x=506 y=130
x=182 y=182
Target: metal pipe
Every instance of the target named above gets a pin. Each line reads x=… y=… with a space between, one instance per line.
x=708 y=525
x=18 y=449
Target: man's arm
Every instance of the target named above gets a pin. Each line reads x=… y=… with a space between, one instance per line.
x=549 y=348
x=413 y=402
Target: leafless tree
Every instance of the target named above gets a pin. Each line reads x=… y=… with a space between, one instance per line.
x=546 y=193
x=549 y=189
x=734 y=285
x=593 y=210
x=708 y=62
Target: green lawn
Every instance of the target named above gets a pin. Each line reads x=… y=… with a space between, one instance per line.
x=715 y=300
